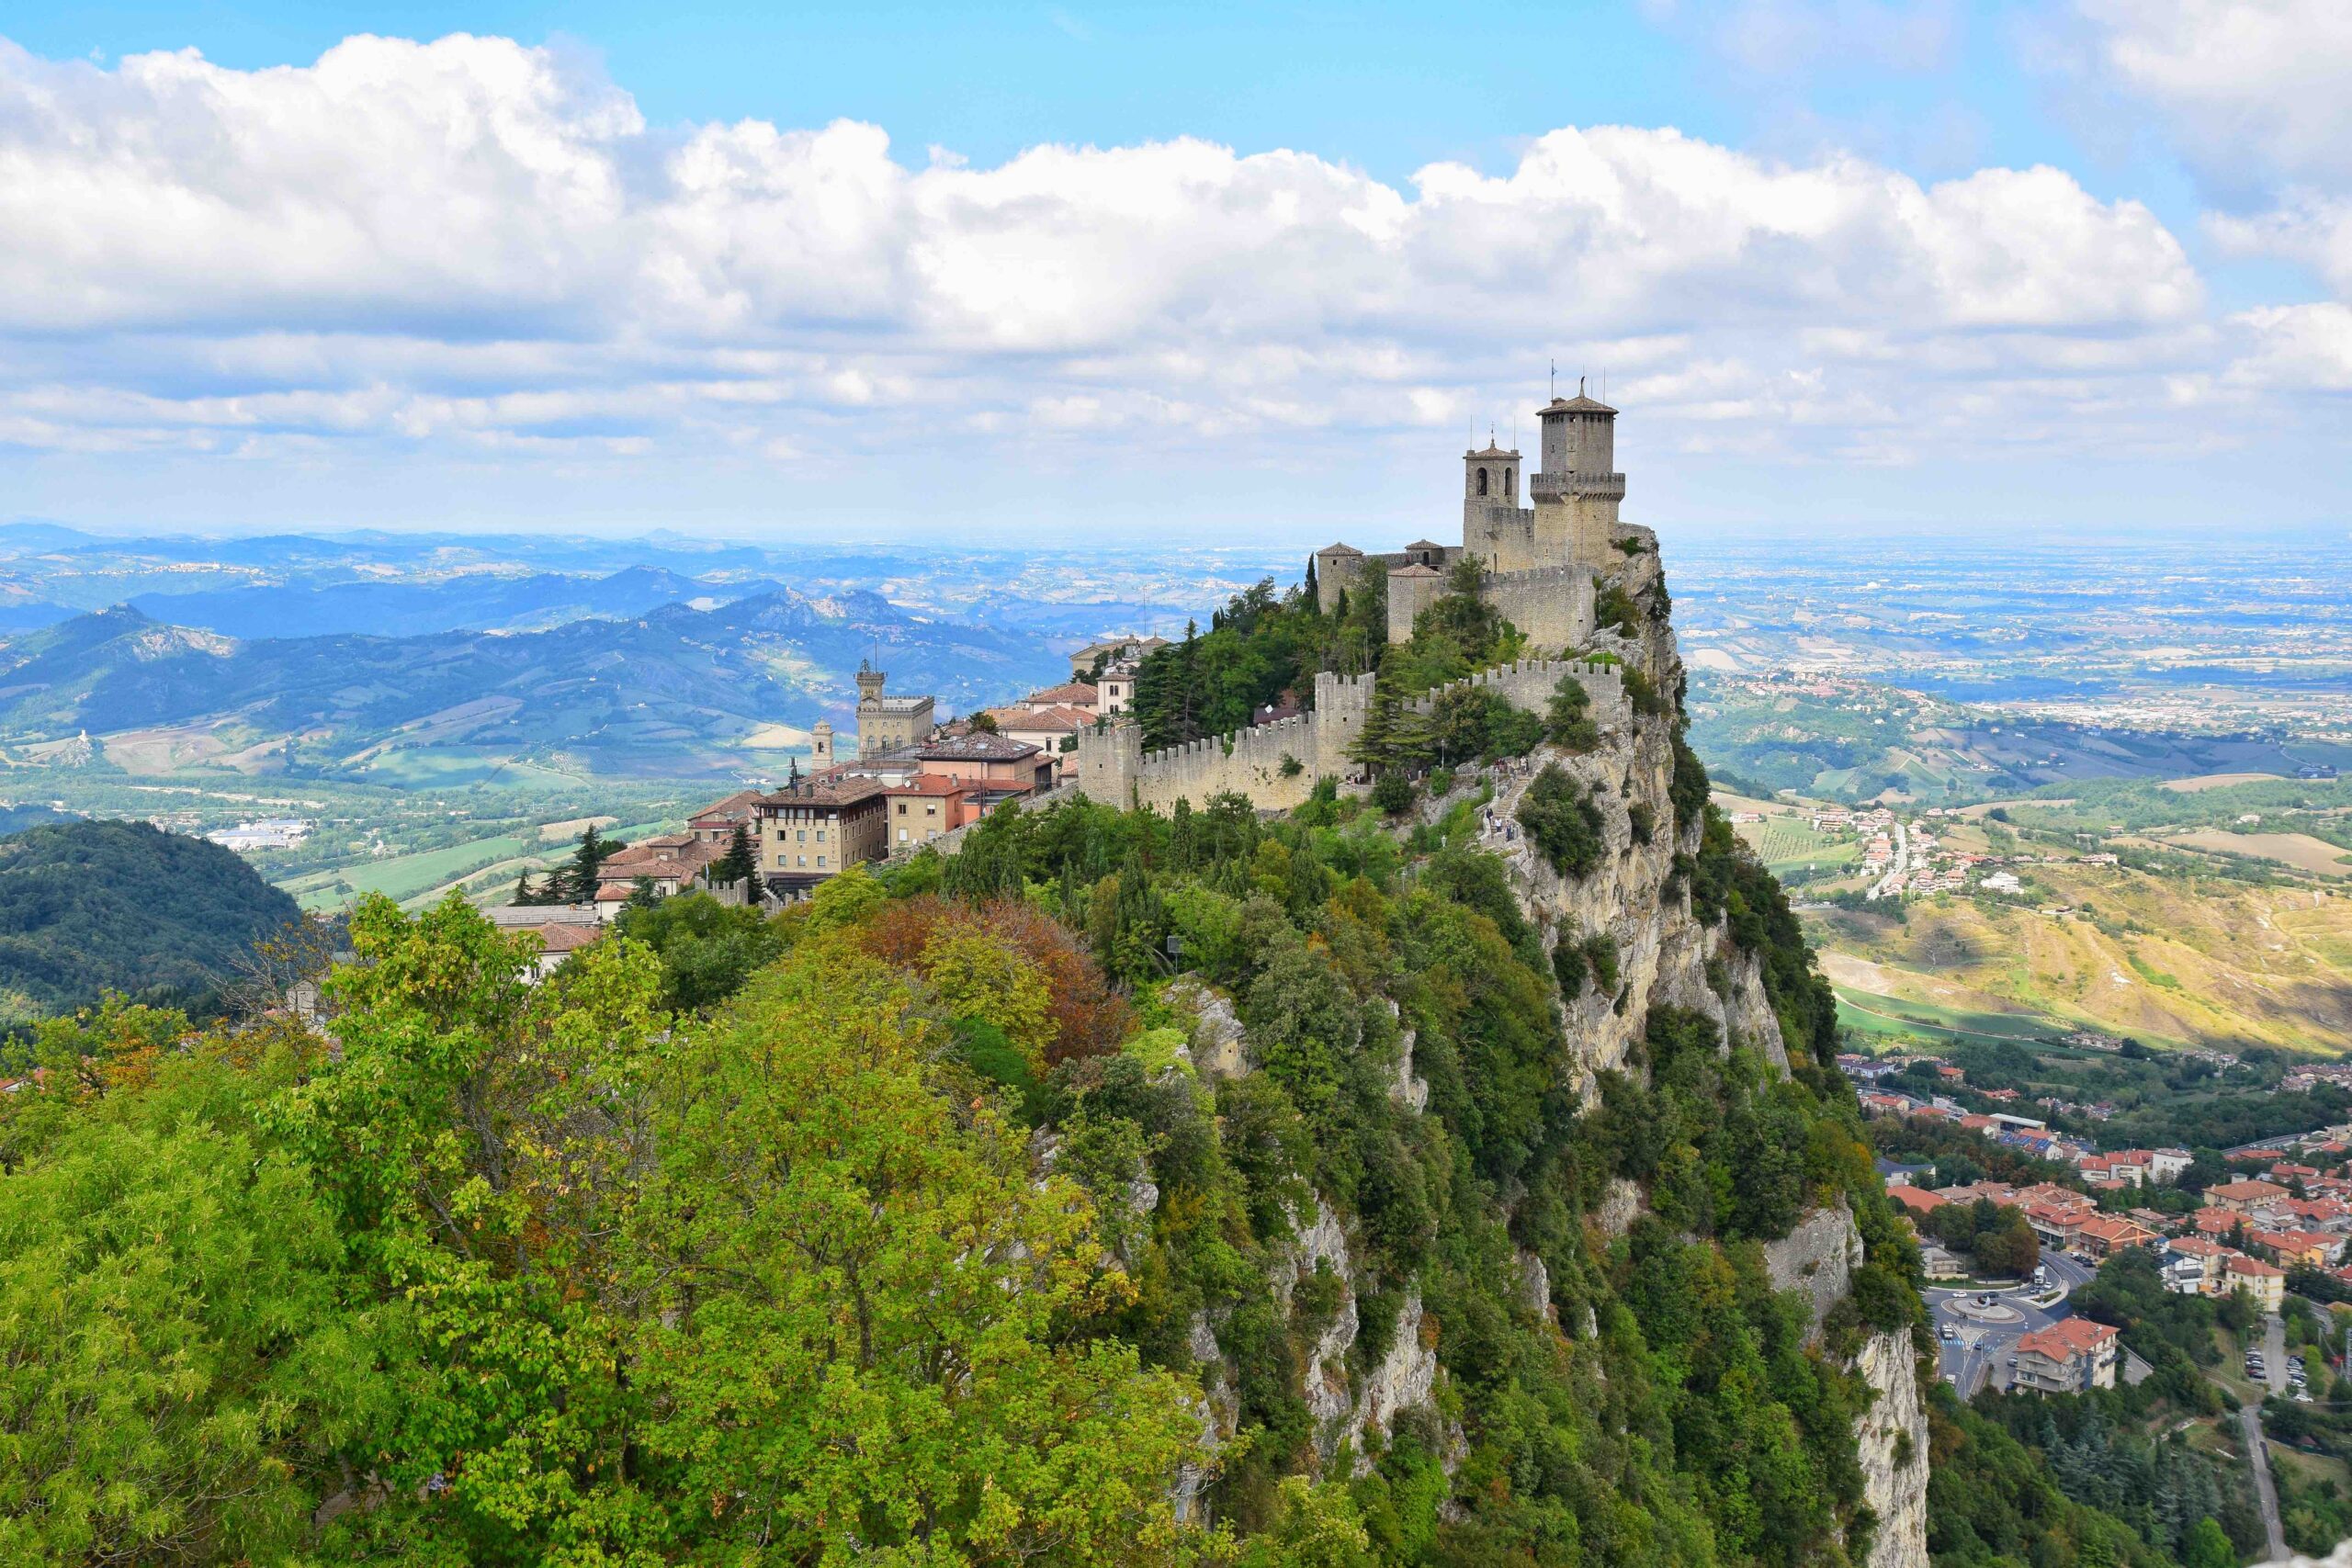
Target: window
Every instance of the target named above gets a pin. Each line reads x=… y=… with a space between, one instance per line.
x=902 y=835
x=902 y=809
x=1510 y=480
x=930 y=809
x=820 y=835
x=821 y=863
x=803 y=837
x=1482 y=482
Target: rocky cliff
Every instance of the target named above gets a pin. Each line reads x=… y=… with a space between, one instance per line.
x=1661 y=944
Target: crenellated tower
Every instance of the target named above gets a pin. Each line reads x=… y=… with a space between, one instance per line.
x=1578 y=489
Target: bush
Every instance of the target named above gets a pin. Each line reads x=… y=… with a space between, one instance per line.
x=1393 y=793
x=1615 y=607
x=1562 y=822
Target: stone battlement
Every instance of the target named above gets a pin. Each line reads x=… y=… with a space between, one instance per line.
x=1275 y=765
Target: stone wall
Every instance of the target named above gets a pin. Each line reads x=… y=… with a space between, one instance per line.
x=1552 y=605
x=1255 y=762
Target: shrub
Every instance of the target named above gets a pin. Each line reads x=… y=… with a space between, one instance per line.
x=1562 y=822
x=1643 y=692
x=1615 y=607
x=1393 y=793
x=1569 y=719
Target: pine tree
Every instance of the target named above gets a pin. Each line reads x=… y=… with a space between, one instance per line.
x=577 y=884
x=740 y=862
x=1311 y=595
x=525 y=894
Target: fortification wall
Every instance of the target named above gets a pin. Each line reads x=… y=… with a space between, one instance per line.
x=1529 y=683
x=1553 y=606
x=1113 y=767
x=1255 y=762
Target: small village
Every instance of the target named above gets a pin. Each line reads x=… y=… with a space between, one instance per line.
x=908 y=782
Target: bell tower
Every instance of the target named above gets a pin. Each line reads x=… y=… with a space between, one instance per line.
x=1491 y=526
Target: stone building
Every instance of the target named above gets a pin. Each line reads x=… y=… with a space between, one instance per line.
x=888 y=723
x=1539 y=559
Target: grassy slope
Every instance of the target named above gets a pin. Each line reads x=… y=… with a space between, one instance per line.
x=2167 y=959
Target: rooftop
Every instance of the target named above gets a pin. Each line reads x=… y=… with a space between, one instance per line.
x=2066 y=1339
x=978 y=746
x=1578 y=404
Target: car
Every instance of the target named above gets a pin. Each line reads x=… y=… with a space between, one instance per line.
x=1986 y=1300
x=1948 y=1332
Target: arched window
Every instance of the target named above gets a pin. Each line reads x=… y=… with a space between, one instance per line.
x=1482 y=482
x=1510 y=482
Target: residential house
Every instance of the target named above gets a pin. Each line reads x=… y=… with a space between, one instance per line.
x=2245 y=1197
x=923 y=808
x=1054 y=730
x=1109 y=651
x=815 y=828
x=667 y=865
x=717 y=822
x=2166 y=1165
x=2073 y=1355
x=1919 y=1200
x=2193 y=1265
x=2316 y=1249
x=2103 y=1235
x=1002 y=767
x=2056 y=1224
x=2263 y=1283
x=1071 y=695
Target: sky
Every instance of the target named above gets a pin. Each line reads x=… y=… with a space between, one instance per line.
x=1246 y=273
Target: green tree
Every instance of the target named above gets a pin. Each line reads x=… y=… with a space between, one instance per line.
x=1562 y=822
x=739 y=864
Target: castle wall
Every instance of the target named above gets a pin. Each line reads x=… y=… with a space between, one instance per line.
x=1113 y=767
x=1529 y=682
x=1553 y=606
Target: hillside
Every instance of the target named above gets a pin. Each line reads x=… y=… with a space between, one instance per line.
x=677 y=691
x=2168 y=958
x=1404 y=1179
x=92 y=906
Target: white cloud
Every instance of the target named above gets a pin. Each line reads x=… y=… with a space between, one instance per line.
x=2254 y=98
x=468 y=243
x=2259 y=80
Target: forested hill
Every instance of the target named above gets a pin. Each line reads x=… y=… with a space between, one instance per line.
x=1450 y=1174
x=88 y=908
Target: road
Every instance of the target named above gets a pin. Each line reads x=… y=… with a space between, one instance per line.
x=2273 y=1353
x=1891 y=884
x=2258 y=1455
x=1979 y=1354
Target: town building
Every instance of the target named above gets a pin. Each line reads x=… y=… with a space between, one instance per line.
x=2073 y=1355
x=2245 y=1197
x=717 y=822
x=814 y=829
x=2264 y=1284
x=887 y=723
x=1099 y=656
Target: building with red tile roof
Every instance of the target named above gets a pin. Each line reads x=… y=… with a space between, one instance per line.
x=2073 y=1355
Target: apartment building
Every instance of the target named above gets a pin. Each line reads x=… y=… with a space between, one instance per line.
x=2073 y=1355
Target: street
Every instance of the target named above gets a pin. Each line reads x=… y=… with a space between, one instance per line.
x=2258 y=1456
x=1891 y=884
x=1980 y=1350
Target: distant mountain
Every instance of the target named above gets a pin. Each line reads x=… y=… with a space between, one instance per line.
x=91 y=906
x=677 y=690
x=475 y=602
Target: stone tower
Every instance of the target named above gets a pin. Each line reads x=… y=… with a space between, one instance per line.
x=1492 y=527
x=821 y=744
x=1578 y=489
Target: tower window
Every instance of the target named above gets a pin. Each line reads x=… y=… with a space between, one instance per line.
x=1510 y=482
x=1482 y=482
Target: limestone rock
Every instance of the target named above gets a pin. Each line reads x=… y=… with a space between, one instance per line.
x=1891 y=1439
x=1818 y=1258
x=1217 y=1047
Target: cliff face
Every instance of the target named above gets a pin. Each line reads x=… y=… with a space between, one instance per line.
x=1637 y=900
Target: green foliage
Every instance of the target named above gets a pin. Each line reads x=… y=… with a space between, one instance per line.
x=88 y=908
x=1992 y=1501
x=1615 y=608
x=1562 y=822
x=708 y=949
x=1568 y=719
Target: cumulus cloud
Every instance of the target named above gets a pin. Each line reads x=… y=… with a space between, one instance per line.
x=470 y=242
x=2252 y=97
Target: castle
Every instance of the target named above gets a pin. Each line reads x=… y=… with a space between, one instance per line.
x=1539 y=561
x=1542 y=567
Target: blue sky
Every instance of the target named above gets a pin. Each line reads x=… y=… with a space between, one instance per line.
x=603 y=266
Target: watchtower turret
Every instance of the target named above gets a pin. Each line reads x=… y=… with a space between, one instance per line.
x=1578 y=489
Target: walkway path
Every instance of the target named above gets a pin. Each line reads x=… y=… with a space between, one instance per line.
x=2258 y=1456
